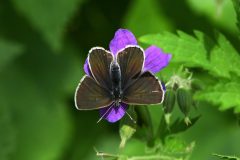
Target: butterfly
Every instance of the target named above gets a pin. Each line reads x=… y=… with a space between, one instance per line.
x=116 y=79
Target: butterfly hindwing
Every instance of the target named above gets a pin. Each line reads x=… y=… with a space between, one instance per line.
x=89 y=95
x=99 y=62
x=147 y=89
x=130 y=60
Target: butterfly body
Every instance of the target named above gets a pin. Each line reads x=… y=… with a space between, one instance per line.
x=115 y=74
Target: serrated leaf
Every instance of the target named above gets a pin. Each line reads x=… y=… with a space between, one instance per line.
x=184 y=48
x=227 y=157
x=236 y=4
x=225 y=93
x=8 y=52
x=220 y=58
x=224 y=59
x=49 y=17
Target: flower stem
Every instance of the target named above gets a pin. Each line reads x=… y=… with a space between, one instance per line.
x=152 y=157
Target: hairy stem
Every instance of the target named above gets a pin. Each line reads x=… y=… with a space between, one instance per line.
x=153 y=157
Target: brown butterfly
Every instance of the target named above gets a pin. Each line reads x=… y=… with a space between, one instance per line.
x=117 y=79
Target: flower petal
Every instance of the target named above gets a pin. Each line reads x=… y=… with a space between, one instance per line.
x=114 y=113
x=122 y=38
x=163 y=86
x=86 y=68
x=155 y=59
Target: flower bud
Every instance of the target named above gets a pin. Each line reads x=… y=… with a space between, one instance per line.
x=184 y=99
x=126 y=132
x=169 y=101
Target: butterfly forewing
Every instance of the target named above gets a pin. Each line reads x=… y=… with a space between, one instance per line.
x=99 y=63
x=89 y=95
x=147 y=89
x=130 y=60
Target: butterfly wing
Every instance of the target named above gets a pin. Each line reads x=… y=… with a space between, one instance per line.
x=147 y=89
x=89 y=95
x=130 y=60
x=99 y=63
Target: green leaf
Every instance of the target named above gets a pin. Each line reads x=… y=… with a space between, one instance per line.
x=7 y=132
x=180 y=125
x=8 y=52
x=225 y=93
x=154 y=22
x=221 y=133
x=224 y=58
x=176 y=127
x=177 y=147
x=40 y=88
x=145 y=120
x=226 y=157
x=42 y=123
x=220 y=12
x=184 y=48
x=49 y=17
x=236 y=4
x=220 y=58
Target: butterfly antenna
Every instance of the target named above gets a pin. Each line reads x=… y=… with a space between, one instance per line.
x=104 y=114
x=129 y=116
x=98 y=153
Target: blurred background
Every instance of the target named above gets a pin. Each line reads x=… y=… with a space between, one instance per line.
x=43 y=46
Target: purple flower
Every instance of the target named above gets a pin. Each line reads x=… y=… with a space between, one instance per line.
x=155 y=60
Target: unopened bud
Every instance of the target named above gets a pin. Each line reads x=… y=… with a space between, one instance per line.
x=169 y=101
x=184 y=99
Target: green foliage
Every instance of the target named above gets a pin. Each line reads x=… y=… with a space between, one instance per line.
x=8 y=131
x=225 y=94
x=224 y=59
x=144 y=116
x=226 y=157
x=237 y=10
x=185 y=49
x=219 y=58
x=41 y=123
x=8 y=52
x=174 y=149
x=155 y=19
x=50 y=17
x=176 y=127
x=220 y=12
